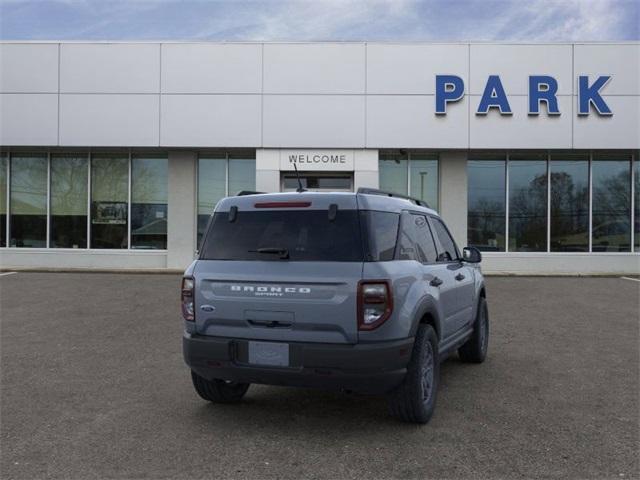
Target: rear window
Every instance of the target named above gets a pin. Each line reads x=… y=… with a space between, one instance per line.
x=289 y=235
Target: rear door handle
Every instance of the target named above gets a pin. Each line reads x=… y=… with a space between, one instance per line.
x=436 y=282
x=459 y=277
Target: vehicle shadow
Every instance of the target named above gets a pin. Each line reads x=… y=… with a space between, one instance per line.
x=290 y=408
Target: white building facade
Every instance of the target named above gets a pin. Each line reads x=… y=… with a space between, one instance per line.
x=113 y=155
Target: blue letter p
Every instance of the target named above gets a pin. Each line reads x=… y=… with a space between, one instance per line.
x=449 y=88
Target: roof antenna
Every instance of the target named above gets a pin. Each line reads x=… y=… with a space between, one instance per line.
x=299 y=189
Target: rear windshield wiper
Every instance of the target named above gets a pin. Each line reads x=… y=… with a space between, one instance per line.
x=283 y=252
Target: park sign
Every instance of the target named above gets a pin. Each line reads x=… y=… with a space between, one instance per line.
x=542 y=89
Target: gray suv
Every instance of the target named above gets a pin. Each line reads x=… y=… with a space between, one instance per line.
x=364 y=292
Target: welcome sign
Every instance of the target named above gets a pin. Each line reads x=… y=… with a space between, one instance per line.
x=317 y=160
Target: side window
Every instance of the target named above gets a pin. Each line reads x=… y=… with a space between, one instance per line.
x=426 y=245
x=450 y=252
x=407 y=239
x=416 y=241
x=380 y=231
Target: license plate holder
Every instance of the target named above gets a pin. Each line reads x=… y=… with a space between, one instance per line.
x=272 y=354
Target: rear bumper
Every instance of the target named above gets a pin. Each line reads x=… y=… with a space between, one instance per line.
x=363 y=368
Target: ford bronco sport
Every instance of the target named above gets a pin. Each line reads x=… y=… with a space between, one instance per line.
x=364 y=292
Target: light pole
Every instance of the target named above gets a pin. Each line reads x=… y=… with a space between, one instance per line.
x=422 y=175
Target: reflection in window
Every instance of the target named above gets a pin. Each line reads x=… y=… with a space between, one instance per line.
x=28 y=207
x=69 y=201
x=636 y=189
x=450 y=251
x=109 y=196
x=317 y=182
x=242 y=173
x=569 y=203
x=424 y=178
x=212 y=187
x=3 y=200
x=215 y=181
x=528 y=203
x=414 y=171
x=393 y=172
x=149 y=196
x=611 y=230
x=486 y=203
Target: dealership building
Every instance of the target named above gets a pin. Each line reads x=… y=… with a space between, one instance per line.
x=113 y=155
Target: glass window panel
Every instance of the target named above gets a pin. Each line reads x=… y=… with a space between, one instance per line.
x=528 y=204
x=69 y=201
x=424 y=178
x=393 y=172
x=636 y=189
x=212 y=175
x=149 y=196
x=569 y=203
x=28 y=201
x=242 y=175
x=3 y=199
x=450 y=250
x=109 y=197
x=321 y=182
x=611 y=230
x=486 y=204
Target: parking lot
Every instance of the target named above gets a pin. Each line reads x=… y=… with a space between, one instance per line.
x=94 y=386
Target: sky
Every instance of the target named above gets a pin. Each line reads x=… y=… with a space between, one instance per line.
x=321 y=20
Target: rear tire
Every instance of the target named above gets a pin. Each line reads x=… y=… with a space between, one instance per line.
x=219 y=391
x=415 y=399
x=475 y=349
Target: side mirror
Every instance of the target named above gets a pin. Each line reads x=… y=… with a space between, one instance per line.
x=471 y=255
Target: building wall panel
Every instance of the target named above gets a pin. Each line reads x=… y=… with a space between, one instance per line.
x=211 y=68
x=109 y=68
x=28 y=68
x=211 y=120
x=109 y=120
x=329 y=68
x=313 y=121
x=28 y=119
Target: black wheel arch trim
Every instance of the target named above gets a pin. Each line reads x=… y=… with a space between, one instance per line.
x=427 y=307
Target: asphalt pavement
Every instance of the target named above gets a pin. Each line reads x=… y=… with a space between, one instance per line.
x=93 y=385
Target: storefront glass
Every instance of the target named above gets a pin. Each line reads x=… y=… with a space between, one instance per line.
x=394 y=172
x=242 y=173
x=528 y=203
x=219 y=175
x=636 y=189
x=486 y=203
x=109 y=197
x=569 y=220
x=28 y=209
x=423 y=172
x=611 y=231
x=3 y=200
x=68 y=209
x=412 y=173
x=149 y=197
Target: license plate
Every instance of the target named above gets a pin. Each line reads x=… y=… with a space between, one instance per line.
x=269 y=353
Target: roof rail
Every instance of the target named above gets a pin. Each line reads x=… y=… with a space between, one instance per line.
x=375 y=191
x=242 y=193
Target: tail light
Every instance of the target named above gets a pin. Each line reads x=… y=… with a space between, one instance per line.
x=187 y=299
x=375 y=303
